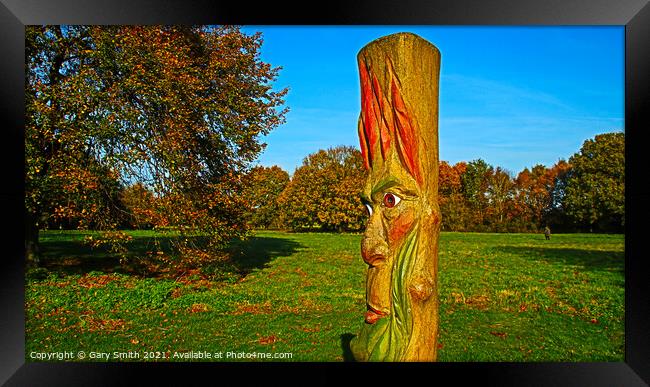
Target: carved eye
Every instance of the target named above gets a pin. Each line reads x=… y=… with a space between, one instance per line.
x=391 y=200
x=369 y=207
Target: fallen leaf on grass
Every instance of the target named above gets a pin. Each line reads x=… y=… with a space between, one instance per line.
x=502 y=335
x=91 y=323
x=198 y=308
x=91 y=281
x=267 y=340
x=306 y=329
x=459 y=298
x=244 y=308
x=478 y=301
x=177 y=292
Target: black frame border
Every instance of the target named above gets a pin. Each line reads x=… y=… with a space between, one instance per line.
x=633 y=14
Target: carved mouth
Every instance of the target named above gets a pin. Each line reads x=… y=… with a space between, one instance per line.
x=376 y=259
x=373 y=315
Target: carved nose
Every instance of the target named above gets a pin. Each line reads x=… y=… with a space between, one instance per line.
x=374 y=249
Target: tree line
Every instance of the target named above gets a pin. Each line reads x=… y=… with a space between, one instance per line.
x=585 y=193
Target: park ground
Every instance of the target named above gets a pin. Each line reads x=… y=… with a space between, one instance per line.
x=503 y=297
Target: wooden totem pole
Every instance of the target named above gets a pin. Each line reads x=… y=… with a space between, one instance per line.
x=398 y=132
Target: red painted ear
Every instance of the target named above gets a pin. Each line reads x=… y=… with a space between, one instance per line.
x=407 y=147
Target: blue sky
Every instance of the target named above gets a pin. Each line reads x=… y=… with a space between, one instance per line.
x=513 y=96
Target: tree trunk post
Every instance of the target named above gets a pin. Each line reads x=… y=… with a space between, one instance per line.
x=398 y=133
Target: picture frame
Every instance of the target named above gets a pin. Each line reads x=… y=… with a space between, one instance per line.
x=633 y=14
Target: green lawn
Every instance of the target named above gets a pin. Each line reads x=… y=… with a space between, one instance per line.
x=504 y=297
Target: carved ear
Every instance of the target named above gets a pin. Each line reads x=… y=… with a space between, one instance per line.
x=405 y=126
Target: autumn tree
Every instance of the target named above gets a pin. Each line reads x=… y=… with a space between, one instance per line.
x=177 y=108
x=262 y=188
x=324 y=192
x=141 y=206
x=533 y=196
x=595 y=187
x=454 y=207
x=499 y=196
x=555 y=214
x=449 y=178
x=475 y=183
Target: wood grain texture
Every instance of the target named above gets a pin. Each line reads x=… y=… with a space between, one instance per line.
x=398 y=133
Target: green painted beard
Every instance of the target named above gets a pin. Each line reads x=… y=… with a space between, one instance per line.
x=388 y=338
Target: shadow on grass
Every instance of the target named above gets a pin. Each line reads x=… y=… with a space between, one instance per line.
x=593 y=260
x=345 y=347
x=76 y=257
x=73 y=256
x=257 y=252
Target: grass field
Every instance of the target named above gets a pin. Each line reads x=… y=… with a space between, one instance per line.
x=504 y=297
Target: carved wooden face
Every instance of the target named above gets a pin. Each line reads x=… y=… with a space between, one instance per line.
x=394 y=205
x=393 y=193
x=393 y=201
x=398 y=138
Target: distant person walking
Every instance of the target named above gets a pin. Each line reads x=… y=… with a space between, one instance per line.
x=547 y=233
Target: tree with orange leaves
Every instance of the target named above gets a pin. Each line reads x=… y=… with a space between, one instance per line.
x=324 y=191
x=453 y=205
x=179 y=109
x=538 y=197
x=262 y=187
